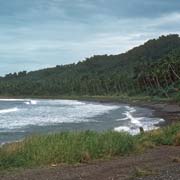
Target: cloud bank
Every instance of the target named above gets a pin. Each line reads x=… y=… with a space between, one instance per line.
x=41 y=33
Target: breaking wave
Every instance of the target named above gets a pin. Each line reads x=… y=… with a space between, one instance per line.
x=32 y=102
x=11 y=99
x=29 y=115
x=4 y=111
x=52 y=112
x=136 y=122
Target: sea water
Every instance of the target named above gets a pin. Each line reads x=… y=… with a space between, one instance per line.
x=23 y=117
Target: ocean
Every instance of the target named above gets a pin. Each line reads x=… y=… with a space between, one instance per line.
x=20 y=118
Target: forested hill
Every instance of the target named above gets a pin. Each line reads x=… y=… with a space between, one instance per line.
x=150 y=69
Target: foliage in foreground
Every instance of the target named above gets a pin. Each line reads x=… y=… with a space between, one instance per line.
x=79 y=147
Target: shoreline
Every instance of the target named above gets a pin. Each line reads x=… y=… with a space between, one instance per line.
x=166 y=109
x=169 y=111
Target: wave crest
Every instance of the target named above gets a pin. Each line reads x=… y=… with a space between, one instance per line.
x=31 y=102
x=4 y=111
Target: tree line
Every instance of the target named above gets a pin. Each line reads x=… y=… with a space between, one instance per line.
x=150 y=69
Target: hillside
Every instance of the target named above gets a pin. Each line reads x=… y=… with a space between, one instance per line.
x=150 y=69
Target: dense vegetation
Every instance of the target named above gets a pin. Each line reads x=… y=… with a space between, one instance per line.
x=151 y=69
x=77 y=147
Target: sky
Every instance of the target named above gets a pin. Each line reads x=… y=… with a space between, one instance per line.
x=36 y=34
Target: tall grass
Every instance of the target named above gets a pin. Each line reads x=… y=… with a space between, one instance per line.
x=66 y=147
x=78 y=147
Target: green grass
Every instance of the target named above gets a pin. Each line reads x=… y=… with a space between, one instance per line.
x=79 y=147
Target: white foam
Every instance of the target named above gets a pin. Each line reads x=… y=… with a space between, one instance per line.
x=147 y=124
x=27 y=102
x=122 y=128
x=11 y=99
x=52 y=112
x=33 y=102
x=132 y=131
x=49 y=113
x=134 y=120
x=122 y=119
x=137 y=122
x=130 y=109
x=129 y=116
x=4 y=111
x=72 y=102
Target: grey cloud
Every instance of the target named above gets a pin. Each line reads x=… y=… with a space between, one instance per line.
x=41 y=33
